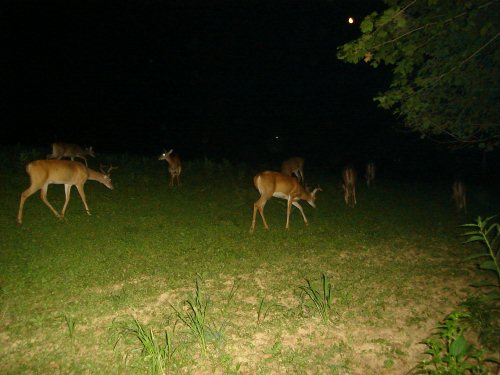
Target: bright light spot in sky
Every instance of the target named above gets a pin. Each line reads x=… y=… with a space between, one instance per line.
x=350 y=20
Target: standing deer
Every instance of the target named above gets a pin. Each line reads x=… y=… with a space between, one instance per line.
x=274 y=184
x=174 y=166
x=294 y=166
x=46 y=172
x=458 y=195
x=349 y=176
x=70 y=150
x=370 y=173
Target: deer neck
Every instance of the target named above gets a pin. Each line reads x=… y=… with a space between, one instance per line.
x=95 y=176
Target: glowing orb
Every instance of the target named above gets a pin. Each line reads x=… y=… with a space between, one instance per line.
x=350 y=20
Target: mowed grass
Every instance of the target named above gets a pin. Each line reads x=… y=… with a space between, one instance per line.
x=68 y=288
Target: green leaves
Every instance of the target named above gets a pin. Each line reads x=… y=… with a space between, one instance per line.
x=489 y=235
x=323 y=299
x=366 y=25
x=157 y=357
x=458 y=348
x=450 y=352
x=444 y=63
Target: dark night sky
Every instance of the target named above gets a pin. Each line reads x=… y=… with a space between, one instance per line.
x=207 y=78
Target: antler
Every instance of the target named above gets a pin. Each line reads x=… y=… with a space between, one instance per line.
x=109 y=169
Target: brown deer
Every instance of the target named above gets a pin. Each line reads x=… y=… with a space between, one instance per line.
x=294 y=166
x=459 y=196
x=70 y=150
x=46 y=172
x=174 y=166
x=370 y=173
x=349 y=177
x=274 y=184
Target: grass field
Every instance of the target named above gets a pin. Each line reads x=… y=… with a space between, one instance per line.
x=76 y=294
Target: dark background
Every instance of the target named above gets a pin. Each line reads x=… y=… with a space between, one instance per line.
x=215 y=79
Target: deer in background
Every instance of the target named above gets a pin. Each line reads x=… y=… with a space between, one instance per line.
x=274 y=184
x=46 y=172
x=294 y=166
x=370 y=173
x=458 y=195
x=70 y=150
x=174 y=166
x=349 y=177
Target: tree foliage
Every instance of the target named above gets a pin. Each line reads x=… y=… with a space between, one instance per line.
x=444 y=56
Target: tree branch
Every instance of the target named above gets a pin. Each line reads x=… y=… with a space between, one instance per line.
x=470 y=56
x=427 y=24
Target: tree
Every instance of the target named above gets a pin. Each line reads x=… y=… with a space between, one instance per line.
x=444 y=56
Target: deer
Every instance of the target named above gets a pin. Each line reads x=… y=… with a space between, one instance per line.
x=349 y=176
x=174 y=166
x=458 y=195
x=294 y=166
x=70 y=150
x=43 y=173
x=370 y=173
x=274 y=184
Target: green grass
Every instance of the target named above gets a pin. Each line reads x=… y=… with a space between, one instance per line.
x=322 y=299
x=395 y=263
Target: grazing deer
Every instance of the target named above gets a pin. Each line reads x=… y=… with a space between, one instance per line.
x=294 y=166
x=370 y=173
x=274 y=184
x=70 y=150
x=46 y=172
x=458 y=195
x=174 y=166
x=349 y=176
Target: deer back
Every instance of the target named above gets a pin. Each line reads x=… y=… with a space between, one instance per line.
x=57 y=171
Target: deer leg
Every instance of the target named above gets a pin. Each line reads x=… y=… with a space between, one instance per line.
x=43 y=196
x=296 y=204
x=288 y=210
x=25 y=195
x=82 y=195
x=345 y=194
x=67 y=192
x=252 y=227
x=259 y=205
x=171 y=180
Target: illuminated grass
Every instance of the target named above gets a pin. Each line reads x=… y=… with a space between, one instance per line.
x=395 y=262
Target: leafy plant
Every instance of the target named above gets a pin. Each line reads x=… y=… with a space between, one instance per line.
x=264 y=309
x=157 y=357
x=322 y=300
x=485 y=310
x=194 y=316
x=450 y=352
x=71 y=324
x=489 y=235
x=484 y=317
